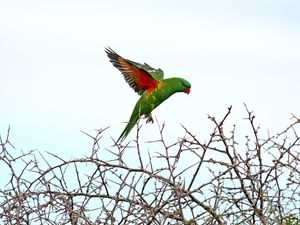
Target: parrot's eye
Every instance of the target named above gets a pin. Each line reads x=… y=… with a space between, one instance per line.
x=183 y=84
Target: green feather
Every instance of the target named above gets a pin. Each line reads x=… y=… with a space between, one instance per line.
x=149 y=101
x=157 y=74
x=159 y=89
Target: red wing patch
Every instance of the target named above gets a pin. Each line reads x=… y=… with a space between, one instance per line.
x=137 y=78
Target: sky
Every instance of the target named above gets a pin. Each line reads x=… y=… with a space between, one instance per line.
x=55 y=79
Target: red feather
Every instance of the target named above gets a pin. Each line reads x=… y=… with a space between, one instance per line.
x=139 y=79
x=142 y=80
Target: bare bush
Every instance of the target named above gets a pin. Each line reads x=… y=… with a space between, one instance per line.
x=226 y=179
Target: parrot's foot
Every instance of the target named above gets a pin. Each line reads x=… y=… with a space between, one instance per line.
x=149 y=118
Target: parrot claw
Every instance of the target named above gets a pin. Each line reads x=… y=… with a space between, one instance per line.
x=149 y=118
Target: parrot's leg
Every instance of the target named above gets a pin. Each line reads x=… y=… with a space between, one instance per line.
x=149 y=118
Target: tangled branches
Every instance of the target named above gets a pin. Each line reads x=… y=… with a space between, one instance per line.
x=225 y=179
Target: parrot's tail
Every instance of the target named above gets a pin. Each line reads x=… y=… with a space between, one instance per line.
x=127 y=130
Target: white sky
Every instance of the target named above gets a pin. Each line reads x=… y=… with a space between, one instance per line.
x=55 y=78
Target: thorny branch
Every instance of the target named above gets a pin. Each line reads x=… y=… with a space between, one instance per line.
x=221 y=180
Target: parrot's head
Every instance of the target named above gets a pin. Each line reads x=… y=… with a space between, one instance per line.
x=183 y=85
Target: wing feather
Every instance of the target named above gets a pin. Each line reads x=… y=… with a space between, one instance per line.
x=138 y=76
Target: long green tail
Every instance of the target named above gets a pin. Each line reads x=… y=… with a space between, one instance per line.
x=127 y=129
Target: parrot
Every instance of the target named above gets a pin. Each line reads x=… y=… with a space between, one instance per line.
x=149 y=83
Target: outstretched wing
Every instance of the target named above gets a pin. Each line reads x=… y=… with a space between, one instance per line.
x=157 y=74
x=141 y=77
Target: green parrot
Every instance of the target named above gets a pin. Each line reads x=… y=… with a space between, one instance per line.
x=147 y=82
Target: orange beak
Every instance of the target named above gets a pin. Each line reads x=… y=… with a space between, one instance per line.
x=187 y=90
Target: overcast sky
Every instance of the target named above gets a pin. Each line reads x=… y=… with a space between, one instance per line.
x=56 y=80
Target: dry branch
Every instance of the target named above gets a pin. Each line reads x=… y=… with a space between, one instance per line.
x=189 y=181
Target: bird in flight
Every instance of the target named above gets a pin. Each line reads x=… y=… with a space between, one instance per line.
x=147 y=82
